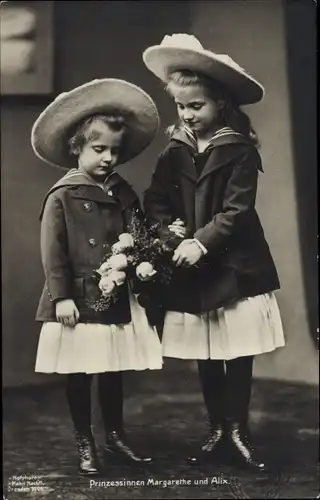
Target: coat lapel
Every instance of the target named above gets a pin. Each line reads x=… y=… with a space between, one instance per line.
x=92 y=193
x=221 y=156
x=180 y=140
x=85 y=188
x=218 y=157
x=186 y=164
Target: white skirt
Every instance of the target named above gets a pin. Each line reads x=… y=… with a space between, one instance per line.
x=248 y=327
x=97 y=348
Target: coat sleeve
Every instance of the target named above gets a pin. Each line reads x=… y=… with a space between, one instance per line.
x=54 y=250
x=157 y=204
x=239 y=200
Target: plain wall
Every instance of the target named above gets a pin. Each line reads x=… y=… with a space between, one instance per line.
x=106 y=39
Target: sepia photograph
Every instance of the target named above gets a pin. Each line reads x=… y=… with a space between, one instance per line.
x=159 y=221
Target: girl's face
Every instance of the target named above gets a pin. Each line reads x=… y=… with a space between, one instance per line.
x=196 y=108
x=100 y=152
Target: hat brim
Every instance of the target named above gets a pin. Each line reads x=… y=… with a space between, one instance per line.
x=51 y=130
x=164 y=60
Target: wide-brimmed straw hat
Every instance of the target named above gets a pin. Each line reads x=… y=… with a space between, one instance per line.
x=182 y=51
x=50 y=132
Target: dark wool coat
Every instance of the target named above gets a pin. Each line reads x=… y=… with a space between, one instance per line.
x=78 y=219
x=218 y=208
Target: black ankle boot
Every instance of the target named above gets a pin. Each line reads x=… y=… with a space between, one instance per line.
x=211 y=447
x=240 y=447
x=88 y=464
x=117 y=449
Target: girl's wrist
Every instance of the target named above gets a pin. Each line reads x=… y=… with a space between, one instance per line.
x=56 y=301
x=201 y=246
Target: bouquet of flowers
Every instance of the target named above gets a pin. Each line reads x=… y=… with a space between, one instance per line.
x=138 y=256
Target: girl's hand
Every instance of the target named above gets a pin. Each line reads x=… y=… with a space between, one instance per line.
x=67 y=312
x=187 y=254
x=178 y=228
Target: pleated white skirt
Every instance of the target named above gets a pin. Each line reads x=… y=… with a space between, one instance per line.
x=96 y=348
x=250 y=326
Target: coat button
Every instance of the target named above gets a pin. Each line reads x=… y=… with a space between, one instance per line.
x=87 y=206
x=92 y=242
x=49 y=294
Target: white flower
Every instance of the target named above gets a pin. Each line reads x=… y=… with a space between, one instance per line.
x=182 y=40
x=118 y=262
x=145 y=270
x=117 y=247
x=119 y=277
x=104 y=269
x=127 y=240
x=109 y=282
x=106 y=285
x=114 y=263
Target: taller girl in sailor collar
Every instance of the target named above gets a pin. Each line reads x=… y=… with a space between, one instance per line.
x=221 y=309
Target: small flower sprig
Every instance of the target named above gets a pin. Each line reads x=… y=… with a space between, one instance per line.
x=151 y=257
x=137 y=255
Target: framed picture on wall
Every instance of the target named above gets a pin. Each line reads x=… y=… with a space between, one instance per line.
x=26 y=34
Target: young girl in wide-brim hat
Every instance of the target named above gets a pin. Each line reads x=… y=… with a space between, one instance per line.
x=90 y=130
x=220 y=308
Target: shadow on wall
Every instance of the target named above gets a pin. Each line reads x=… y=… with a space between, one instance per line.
x=301 y=18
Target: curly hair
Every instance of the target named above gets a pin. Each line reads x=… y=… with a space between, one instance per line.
x=79 y=135
x=229 y=115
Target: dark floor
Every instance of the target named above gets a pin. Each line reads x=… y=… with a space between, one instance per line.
x=165 y=418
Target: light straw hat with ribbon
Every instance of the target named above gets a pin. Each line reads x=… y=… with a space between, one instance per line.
x=50 y=132
x=184 y=52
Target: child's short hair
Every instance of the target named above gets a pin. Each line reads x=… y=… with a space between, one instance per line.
x=230 y=114
x=78 y=136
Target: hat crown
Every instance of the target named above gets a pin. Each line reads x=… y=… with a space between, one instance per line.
x=186 y=41
x=59 y=96
x=224 y=58
x=181 y=40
